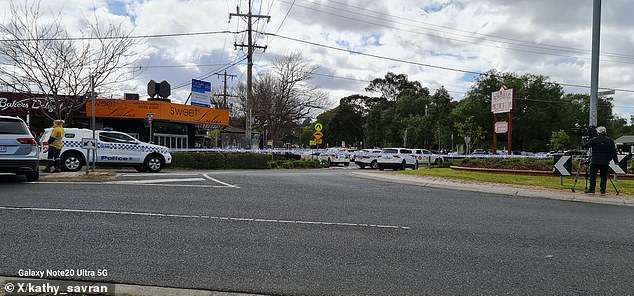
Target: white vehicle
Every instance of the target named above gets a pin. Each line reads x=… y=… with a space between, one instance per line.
x=18 y=149
x=113 y=148
x=367 y=158
x=335 y=156
x=426 y=157
x=397 y=159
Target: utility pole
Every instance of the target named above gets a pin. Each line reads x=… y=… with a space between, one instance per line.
x=248 y=17
x=594 y=67
x=225 y=95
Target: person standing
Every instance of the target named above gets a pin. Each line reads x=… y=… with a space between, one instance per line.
x=55 y=146
x=603 y=150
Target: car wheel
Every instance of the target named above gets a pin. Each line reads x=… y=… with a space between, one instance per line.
x=140 y=168
x=153 y=163
x=346 y=164
x=403 y=165
x=32 y=176
x=374 y=164
x=72 y=162
x=361 y=166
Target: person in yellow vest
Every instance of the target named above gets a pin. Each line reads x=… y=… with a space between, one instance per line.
x=55 y=146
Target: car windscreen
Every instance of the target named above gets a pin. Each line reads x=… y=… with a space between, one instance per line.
x=390 y=151
x=11 y=126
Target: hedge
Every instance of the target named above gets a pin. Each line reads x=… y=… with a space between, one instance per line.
x=508 y=163
x=295 y=164
x=219 y=160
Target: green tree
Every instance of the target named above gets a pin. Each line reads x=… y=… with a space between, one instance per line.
x=39 y=57
x=469 y=128
x=541 y=107
x=346 y=124
x=559 y=140
x=393 y=85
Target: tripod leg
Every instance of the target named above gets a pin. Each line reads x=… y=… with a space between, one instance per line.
x=586 y=175
x=577 y=178
x=617 y=191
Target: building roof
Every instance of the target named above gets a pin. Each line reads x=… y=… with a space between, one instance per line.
x=625 y=140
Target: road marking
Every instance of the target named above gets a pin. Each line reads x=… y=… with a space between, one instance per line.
x=163 y=215
x=156 y=174
x=218 y=181
x=136 y=184
x=156 y=181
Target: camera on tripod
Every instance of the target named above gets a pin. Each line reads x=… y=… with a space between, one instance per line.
x=586 y=132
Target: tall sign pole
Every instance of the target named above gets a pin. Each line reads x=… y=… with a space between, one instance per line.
x=503 y=101
x=93 y=122
x=594 y=68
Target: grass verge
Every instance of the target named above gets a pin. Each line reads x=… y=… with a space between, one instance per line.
x=625 y=187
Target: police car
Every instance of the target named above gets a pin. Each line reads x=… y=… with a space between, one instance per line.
x=112 y=148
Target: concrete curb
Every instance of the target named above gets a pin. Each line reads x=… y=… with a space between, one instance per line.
x=512 y=190
x=78 y=176
x=130 y=290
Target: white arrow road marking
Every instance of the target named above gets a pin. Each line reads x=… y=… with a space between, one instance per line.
x=220 y=182
x=560 y=165
x=157 y=181
x=163 y=215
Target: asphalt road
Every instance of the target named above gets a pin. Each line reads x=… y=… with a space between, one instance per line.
x=314 y=232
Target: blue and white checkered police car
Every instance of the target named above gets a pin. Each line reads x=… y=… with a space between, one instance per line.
x=112 y=148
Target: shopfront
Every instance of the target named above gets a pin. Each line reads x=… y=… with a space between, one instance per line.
x=163 y=123
x=171 y=125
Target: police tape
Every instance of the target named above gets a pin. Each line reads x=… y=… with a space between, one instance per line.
x=317 y=152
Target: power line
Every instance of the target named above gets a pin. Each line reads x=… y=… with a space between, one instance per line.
x=516 y=42
x=421 y=64
x=375 y=56
x=211 y=73
x=124 y=37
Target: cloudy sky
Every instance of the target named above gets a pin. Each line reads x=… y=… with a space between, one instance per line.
x=436 y=42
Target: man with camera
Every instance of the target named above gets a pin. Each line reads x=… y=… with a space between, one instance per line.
x=603 y=150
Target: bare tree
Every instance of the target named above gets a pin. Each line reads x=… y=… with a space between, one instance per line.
x=39 y=57
x=283 y=98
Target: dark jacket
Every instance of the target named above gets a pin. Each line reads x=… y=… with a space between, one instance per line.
x=603 y=150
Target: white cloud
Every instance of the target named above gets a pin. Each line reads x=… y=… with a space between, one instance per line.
x=551 y=38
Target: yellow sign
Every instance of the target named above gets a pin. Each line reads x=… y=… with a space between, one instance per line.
x=318 y=126
x=318 y=135
x=317 y=141
x=106 y=108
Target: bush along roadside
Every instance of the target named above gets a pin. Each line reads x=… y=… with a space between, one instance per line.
x=508 y=163
x=227 y=161
x=219 y=160
x=296 y=164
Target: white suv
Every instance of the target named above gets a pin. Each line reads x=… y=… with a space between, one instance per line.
x=367 y=158
x=335 y=156
x=397 y=159
x=427 y=157
x=113 y=148
x=18 y=149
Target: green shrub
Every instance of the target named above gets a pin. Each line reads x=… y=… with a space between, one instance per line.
x=509 y=163
x=294 y=164
x=219 y=160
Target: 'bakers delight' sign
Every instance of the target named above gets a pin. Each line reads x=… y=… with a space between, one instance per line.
x=23 y=106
